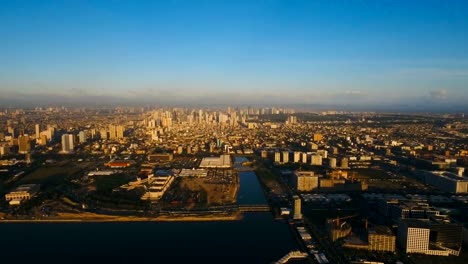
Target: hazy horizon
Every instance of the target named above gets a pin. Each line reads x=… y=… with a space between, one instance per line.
x=381 y=55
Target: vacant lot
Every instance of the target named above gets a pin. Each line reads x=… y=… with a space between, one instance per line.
x=49 y=175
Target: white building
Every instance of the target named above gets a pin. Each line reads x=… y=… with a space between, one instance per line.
x=223 y=161
x=157 y=187
x=429 y=237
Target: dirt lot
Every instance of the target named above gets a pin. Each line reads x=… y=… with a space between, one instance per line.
x=217 y=193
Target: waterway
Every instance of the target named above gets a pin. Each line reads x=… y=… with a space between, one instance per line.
x=257 y=238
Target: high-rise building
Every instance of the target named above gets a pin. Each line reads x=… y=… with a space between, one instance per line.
x=318 y=137
x=285 y=156
x=112 y=132
x=82 y=137
x=305 y=181
x=4 y=149
x=67 y=143
x=297 y=208
x=103 y=133
x=38 y=131
x=24 y=144
x=344 y=163
x=316 y=160
x=120 y=132
x=297 y=156
x=332 y=162
x=304 y=157
x=277 y=157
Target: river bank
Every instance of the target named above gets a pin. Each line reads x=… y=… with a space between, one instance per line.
x=92 y=217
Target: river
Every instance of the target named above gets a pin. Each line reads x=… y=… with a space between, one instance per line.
x=257 y=238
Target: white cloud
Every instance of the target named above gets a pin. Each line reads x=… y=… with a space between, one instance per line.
x=438 y=94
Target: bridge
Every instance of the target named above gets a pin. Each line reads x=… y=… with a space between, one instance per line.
x=254 y=208
x=291 y=255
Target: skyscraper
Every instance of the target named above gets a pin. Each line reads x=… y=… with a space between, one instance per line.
x=67 y=143
x=82 y=137
x=297 y=208
x=24 y=144
x=38 y=131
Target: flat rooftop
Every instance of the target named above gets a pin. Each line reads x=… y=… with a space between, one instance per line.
x=450 y=176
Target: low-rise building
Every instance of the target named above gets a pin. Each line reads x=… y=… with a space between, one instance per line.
x=22 y=192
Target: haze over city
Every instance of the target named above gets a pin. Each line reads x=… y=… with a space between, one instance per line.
x=364 y=55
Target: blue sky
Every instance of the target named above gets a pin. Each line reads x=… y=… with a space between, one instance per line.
x=330 y=52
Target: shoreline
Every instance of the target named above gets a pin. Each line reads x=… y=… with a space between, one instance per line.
x=97 y=218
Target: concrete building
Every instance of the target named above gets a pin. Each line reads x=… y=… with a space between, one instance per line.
x=297 y=156
x=157 y=187
x=67 y=143
x=82 y=137
x=344 y=163
x=160 y=157
x=4 y=149
x=305 y=181
x=297 y=208
x=381 y=238
x=316 y=160
x=277 y=157
x=285 y=156
x=38 y=131
x=446 y=181
x=223 y=161
x=22 y=192
x=430 y=237
x=318 y=137
x=304 y=157
x=332 y=163
x=24 y=144
x=412 y=210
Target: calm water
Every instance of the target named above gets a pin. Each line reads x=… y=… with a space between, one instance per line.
x=255 y=239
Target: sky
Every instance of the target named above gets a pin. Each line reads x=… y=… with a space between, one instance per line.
x=337 y=53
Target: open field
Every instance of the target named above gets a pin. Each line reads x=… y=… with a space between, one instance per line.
x=49 y=174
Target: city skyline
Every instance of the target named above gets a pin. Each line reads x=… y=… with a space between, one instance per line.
x=348 y=54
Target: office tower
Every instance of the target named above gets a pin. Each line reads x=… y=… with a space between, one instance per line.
x=67 y=143
x=297 y=208
x=332 y=162
x=24 y=144
x=304 y=157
